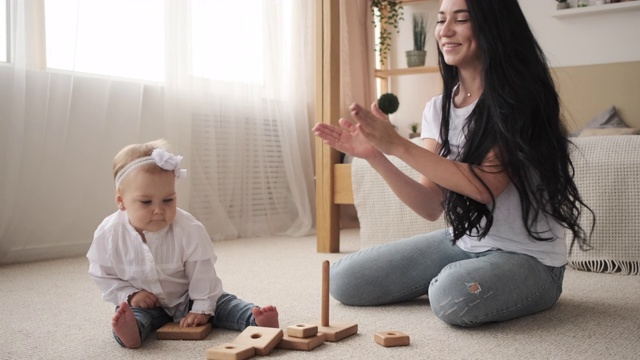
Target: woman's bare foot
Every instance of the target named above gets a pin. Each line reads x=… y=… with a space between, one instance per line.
x=125 y=326
x=266 y=316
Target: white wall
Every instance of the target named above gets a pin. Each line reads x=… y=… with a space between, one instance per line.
x=414 y=91
x=597 y=38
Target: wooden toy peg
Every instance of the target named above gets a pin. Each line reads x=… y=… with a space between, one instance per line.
x=325 y=294
x=391 y=338
x=334 y=331
x=173 y=331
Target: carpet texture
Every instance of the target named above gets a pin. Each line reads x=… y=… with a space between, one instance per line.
x=51 y=310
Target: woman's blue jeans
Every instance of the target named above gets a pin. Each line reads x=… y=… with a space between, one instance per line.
x=231 y=313
x=464 y=288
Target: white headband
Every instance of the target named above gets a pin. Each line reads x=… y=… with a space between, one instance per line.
x=160 y=157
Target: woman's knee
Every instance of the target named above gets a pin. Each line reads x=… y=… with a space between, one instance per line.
x=482 y=290
x=453 y=299
x=341 y=287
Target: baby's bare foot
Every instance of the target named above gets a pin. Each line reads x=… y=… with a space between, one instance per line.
x=125 y=326
x=266 y=316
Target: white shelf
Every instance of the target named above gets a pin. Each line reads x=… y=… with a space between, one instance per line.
x=597 y=9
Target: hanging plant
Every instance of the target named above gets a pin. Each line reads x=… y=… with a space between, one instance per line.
x=388 y=14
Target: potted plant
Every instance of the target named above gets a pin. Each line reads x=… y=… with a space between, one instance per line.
x=563 y=4
x=418 y=55
x=386 y=13
x=414 y=130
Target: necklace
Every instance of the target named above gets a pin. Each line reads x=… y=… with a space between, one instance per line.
x=467 y=93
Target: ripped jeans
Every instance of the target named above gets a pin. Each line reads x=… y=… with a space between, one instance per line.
x=464 y=288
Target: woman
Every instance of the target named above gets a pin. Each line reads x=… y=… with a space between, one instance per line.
x=494 y=161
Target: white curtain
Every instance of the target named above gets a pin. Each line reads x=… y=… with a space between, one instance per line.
x=245 y=141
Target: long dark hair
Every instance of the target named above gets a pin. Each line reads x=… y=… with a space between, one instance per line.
x=519 y=114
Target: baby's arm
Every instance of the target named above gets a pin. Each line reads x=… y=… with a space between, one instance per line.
x=204 y=286
x=143 y=299
x=114 y=289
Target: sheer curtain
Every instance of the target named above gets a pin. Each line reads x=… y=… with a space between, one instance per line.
x=245 y=138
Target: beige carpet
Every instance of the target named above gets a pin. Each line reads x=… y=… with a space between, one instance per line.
x=51 y=310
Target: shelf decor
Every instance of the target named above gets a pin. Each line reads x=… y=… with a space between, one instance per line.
x=387 y=14
x=562 y=4
x=619 y=7
x=418 y=55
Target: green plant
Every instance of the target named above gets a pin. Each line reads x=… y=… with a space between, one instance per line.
x=414 y=127
x=419 y=32
x=387 y=14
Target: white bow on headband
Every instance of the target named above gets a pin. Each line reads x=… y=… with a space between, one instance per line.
x=160 y=157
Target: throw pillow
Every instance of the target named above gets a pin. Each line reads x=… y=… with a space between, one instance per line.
x=606 y=119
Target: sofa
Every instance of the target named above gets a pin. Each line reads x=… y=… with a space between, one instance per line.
x=607 y=169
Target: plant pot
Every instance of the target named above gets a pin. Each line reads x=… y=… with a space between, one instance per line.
x=413 y=135
x=416 y=58
x=563 y=5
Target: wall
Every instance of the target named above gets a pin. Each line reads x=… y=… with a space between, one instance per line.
x=573 y=45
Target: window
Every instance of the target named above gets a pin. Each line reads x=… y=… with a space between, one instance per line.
x=228 y=40
x=122 y=38
x=4 y=31
x=129 y=38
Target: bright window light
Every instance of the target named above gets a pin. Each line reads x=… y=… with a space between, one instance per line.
x=228 y=40
x=121 y=38
x=126 y=38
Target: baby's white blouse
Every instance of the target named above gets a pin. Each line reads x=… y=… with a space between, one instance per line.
x=176 y=264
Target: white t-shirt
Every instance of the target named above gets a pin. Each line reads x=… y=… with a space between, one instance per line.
x=176 y=264
x=508 y=232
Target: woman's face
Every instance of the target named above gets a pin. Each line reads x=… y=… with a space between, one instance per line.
x=455 y=35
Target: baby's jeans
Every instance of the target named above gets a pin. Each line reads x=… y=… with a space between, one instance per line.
x=464 y=288
x=231 y=313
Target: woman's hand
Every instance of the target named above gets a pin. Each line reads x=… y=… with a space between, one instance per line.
x=376 y=128
x=349 y=138
x=144 y=299
x=194 y=319
x=345 y=138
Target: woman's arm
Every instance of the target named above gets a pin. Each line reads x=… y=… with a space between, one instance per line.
x=423 y=197
x=452 y=175
x=456 y=176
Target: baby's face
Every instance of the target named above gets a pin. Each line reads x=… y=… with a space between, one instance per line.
x=150 y=199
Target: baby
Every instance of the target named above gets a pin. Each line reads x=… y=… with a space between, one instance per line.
x=154 y=261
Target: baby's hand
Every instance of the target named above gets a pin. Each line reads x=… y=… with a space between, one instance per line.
x=194 y=319
x=144 y=299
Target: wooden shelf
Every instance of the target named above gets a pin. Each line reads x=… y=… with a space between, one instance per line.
x=385 y=73
x=596 y=9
